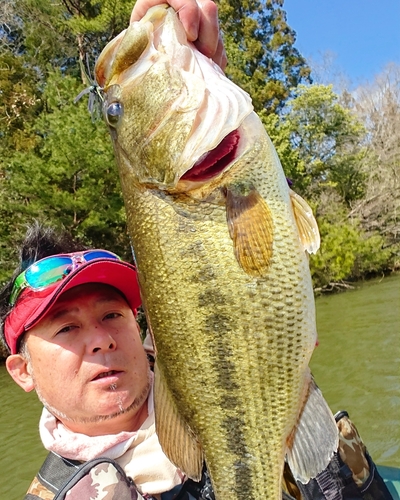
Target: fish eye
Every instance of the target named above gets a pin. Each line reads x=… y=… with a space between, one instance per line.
x=113 y=113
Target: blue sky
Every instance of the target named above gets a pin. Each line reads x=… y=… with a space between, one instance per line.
x=364 y=35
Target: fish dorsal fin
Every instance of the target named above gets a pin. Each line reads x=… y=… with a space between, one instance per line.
x=176 y=439
x=251 y=229
x=315 y=438
x=306 y=223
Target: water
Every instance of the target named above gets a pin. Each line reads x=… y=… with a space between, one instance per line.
x=21 y=452
x=357 y=366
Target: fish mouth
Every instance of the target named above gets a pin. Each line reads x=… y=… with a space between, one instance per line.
x=215 y=161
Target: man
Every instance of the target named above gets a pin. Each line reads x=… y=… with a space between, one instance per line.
x=69 y=322
x=83 y=354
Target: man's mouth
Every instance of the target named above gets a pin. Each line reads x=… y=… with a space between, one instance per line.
x=215 y=160
x=106 y=374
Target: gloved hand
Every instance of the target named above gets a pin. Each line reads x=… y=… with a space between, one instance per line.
x=351 y=448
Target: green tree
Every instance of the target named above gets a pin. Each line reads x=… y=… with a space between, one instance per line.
x=323 y=148
x=19 y=100
x=347 y=253
x=321 y=143
x=261 y=53
x=56 y=165
x=280 y=132
x=67 y=175
x=56 y=34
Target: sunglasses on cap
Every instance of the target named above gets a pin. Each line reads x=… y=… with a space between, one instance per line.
x=47 y=271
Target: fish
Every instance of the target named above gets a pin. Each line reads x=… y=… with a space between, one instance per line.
x=221 y=245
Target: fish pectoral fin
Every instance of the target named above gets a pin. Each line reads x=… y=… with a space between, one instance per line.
x=177 y=441
x=251 y=229
x=315 y=438
x=306 y=223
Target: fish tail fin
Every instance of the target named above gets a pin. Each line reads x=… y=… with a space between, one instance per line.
x=315 y=438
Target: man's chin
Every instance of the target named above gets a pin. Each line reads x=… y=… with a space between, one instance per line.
x=121 y=404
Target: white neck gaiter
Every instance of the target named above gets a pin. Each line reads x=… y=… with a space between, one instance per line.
x=139 y=453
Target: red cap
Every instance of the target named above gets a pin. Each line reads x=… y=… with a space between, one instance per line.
x=32 y=305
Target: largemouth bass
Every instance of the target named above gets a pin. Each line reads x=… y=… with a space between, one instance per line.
x=220 y=243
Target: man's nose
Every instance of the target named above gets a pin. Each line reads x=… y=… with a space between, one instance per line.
x=101 y=339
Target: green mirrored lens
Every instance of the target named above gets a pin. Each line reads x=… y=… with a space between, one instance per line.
x=19 y=284
x=51 y=269
x=48 y=271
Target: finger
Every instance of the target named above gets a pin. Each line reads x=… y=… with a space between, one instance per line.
x=208 y=36
x=220 y=55
x=188 y=11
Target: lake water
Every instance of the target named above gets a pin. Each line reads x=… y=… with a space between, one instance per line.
x=357 y=366
x=357 y=363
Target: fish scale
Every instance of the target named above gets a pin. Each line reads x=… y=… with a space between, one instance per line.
x=222 y=268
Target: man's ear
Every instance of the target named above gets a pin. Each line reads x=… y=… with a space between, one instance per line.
x=19 y=369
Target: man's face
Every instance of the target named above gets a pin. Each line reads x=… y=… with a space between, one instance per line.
x=88 y=363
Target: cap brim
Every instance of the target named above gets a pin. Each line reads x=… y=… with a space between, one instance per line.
x=116 y=273
x=32 y=306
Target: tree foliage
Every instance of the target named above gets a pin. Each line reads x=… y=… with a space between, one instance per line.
x=56 y=165
x=51 y=34
x=328 y=140
x=340 y=151
x=347 y=252
x=65 y=174
x=378 y=106
x=327 y=152
x=261 y=53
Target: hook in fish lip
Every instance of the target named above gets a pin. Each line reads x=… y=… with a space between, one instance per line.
x=215 y=161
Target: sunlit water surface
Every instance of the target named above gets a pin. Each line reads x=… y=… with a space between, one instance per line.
x=357 y=366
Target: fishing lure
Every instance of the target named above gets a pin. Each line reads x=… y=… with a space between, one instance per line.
x=96 y=93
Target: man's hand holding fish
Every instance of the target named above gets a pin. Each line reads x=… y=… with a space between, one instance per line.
x=200 y=21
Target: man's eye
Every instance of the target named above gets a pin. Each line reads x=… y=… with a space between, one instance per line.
x=66 y=329
x=112 y=315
